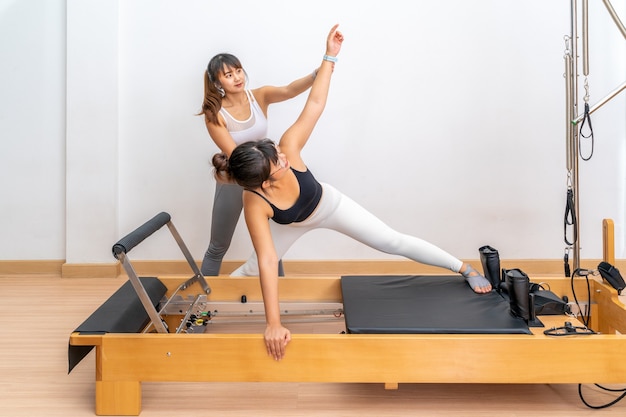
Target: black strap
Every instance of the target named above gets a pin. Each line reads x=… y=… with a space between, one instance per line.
x=260 y=195
x=570 y=217
x=586 y=119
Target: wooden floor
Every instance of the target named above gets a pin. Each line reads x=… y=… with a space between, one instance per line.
x=38 y=313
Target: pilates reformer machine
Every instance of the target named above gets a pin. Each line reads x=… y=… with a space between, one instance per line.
x=161 y=330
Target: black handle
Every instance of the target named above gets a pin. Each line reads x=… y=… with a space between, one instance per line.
x=125 y=244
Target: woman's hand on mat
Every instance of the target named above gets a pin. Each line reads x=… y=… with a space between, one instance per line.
x=276 y=339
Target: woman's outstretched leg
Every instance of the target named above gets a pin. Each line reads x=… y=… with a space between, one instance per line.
x=355 y=221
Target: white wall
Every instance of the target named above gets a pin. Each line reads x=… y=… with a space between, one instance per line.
x=446 y=119
x=32 y=129
x=92 y=137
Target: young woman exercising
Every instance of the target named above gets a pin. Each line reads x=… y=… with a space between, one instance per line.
x=233 y=115
x=279 y=187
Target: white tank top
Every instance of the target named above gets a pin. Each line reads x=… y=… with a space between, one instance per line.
x=254 y=128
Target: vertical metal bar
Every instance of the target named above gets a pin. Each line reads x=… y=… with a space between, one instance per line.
x=576 y=188
x=574 y=135
x=585 y=37
x=568 y=111
x=573 y=140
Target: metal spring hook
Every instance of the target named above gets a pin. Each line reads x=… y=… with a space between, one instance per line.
x=569 y=179
x=567 y=40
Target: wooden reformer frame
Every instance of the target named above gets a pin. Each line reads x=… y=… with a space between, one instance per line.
x=125 y=360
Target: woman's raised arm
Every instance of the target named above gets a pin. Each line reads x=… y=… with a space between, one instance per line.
x=294 y=139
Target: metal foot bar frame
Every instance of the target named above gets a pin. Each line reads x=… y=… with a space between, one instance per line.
x=128 y=242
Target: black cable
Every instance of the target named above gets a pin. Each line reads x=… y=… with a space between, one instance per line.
x=569 y=330
x=587 y=312
x=597 y=407
x=572 y=330
x=610 y=389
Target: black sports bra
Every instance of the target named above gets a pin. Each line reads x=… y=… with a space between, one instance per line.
x=309 y=198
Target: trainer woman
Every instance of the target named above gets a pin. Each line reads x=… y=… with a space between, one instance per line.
x=233 y=115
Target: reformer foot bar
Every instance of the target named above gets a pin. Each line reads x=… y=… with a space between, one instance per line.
x=130 y=348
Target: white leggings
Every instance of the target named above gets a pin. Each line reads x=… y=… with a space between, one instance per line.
x=340 y=213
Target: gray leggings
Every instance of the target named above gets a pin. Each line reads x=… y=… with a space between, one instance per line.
x=227 y=206
x=338 y=212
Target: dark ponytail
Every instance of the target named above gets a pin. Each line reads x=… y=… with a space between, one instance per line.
x=212 y=102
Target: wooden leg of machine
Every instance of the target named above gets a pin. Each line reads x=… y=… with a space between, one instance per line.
x=113 y=397
x=608 y=241
x=118 y=398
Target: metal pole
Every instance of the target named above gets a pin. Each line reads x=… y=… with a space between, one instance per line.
x=615 y=17
x=574 y=132
x=585 y=37
x=568 y=109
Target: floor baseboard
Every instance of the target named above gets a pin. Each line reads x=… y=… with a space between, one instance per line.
x=292 y=267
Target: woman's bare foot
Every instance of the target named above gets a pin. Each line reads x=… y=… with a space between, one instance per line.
x=476 y=281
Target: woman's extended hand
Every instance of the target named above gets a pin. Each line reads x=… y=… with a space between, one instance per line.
x=276 y=339
x=334 y=41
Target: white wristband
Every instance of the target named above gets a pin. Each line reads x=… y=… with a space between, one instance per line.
x=330 y=58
